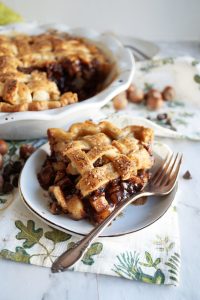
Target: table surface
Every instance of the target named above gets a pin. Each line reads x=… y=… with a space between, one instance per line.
x=21 y=281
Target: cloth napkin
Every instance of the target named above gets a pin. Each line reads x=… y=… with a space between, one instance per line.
x=151 y=255
x=183 y=73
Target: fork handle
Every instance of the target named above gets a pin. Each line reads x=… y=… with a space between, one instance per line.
x=72 y=255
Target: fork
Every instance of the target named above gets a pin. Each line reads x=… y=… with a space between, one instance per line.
x=139 y=55
x=161 y=183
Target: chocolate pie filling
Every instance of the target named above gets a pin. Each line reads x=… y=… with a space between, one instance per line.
x=114 y=192
x=76 y=76
x=50 y=70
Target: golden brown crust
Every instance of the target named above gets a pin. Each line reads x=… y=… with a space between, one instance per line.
x=38 y=105
x=24 y=74
x=85 y=143
x=93 y=167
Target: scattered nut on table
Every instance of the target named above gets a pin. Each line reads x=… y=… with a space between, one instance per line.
x=154 y=103
x=3 y=147
x=154 y=99
x=168 y=93
x=134 y=94
x=1 y=183
x=10 y=170
x=153 y=93
x=120 y=101
x=25 y=151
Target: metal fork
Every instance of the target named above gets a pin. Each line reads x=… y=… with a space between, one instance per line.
x=139 y=55
x=162 y=183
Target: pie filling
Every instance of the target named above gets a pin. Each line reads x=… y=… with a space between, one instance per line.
x=93 y=167
x=79 y=77
x=95 y=209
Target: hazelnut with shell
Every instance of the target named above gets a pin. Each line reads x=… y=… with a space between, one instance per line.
x=168 y=93
x=154 y=99
x=120 y=101
x=3 y=147
x=134 y=94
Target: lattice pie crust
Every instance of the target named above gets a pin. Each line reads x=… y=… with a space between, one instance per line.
x=48 y=71
x=95 y=166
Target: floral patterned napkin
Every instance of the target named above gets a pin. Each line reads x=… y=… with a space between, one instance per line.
x=183 y=73
x=151 y=255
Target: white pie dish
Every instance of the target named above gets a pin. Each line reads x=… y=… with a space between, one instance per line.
x=134 y=218
x=34 y=124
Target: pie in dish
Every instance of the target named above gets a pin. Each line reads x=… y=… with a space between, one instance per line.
x=48 y=71
x=92 y=167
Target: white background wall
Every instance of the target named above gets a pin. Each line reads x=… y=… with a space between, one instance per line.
x=150 y=19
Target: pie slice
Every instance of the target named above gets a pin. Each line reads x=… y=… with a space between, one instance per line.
x=93 y=167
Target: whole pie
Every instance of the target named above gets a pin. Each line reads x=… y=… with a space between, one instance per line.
x=93 y=167
x=49 y=70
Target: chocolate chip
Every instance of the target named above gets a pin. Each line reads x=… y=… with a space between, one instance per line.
x=8 y=170
x=187 y=175
x=169 y=122
x=1 y=161
x=7 y=187
x=17 y=167
x=15 y=180
x=1 y=183
x=161 y=117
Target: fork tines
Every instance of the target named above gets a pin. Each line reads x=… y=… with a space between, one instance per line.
x=168 y=172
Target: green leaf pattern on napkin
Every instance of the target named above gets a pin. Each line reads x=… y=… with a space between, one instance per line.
x=36 y=243
x=28 y=233
x=20 y=255
x=129 y=267
x=94 y=249
x=57 y=236
x=173 y=263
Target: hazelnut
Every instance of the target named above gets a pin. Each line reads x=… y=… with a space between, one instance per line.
x=25 y=151
x=3 y=147
x=131 y=88
x=153 y=93
x=135 y=96
x=120 y=101
x=1 y=161
x=168 y=93
x=154 y=103
x=154 y=99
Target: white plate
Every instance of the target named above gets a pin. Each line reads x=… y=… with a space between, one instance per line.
x=134 y=218
x=34 y=124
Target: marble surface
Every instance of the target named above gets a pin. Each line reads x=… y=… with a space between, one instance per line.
x=20 y=281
